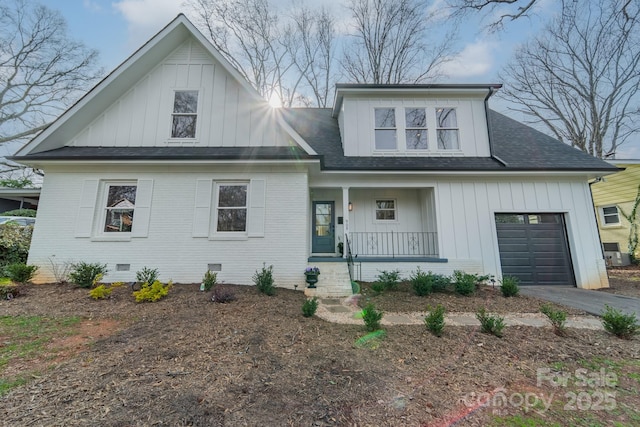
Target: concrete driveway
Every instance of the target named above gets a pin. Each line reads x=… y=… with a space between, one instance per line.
x=592 y=302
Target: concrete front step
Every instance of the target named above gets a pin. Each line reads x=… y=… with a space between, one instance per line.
x=333 y=280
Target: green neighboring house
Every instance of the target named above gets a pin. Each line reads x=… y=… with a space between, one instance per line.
x=613 y=197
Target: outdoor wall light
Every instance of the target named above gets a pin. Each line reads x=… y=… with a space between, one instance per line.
x=350 y=206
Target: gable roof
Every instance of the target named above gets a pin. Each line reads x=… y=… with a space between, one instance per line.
x=120 y=80
x=520 y=147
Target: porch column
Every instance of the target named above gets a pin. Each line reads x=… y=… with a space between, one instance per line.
x=345 y=219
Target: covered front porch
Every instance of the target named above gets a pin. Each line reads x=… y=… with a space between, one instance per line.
x=374 y=224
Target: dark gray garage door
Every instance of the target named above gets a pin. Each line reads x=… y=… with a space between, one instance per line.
x=533 y=248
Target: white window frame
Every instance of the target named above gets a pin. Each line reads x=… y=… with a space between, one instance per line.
x=603 y=216
x=105 y=209
x=425 y=129
x=216 y=207
x=375 y=209
x=438 y=129
x=197 y=114
x=376 y=128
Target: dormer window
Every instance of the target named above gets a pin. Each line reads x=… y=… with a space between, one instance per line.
x=447 y=129
x=185 y=112
x=416 y=128
x=385 y=130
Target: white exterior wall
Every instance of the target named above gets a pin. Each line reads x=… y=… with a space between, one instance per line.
x=357 y=125
x=227 y=114
x=170 y=246
x=465 y=218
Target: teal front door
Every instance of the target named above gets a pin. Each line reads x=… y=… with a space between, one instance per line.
x=323 y=239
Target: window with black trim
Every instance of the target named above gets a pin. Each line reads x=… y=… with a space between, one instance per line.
x=185 y=114
x=385 y=210
x=119 y=208
x=232 y=207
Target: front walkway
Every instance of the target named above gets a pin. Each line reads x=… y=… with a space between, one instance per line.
x=346 y=311
x=592 y=302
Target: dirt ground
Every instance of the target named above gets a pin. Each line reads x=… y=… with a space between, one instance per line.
x=185 y=361
x=624 y=281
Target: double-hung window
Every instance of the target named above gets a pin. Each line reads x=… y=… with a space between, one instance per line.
x=385 y=128
x=385 y=210
x=119 y=208
x=447 y=129
x=185 y=114
x=610 y=215
x=416 y=128
x=232 y=207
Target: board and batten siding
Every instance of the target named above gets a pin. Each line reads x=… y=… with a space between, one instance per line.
x=466 y=219
x=228 y=115
x=356 y=120
x=170 y=245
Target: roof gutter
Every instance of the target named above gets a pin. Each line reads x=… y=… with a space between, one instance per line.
x=489 y=131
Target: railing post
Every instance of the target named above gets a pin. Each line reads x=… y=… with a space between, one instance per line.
x=393 y=249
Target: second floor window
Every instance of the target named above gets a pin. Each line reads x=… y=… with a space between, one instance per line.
x=385 y=130
x=185 y=112
x=447 y=129
x=416 y=128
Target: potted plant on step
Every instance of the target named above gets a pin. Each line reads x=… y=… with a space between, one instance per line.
x=312 y=276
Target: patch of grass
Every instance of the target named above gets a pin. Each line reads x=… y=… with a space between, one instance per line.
x=6 y=385
x=5 y=281
x=26 y=338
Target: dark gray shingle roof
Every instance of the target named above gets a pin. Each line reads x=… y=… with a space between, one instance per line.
x=520 y=146
x=169 y=153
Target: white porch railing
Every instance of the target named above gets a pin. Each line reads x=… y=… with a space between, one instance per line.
x=394 y=244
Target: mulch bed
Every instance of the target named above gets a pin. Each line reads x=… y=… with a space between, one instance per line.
x=256 y=361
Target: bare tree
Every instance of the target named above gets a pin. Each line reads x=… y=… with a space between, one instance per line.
x=580 y=77
x=248 y=33
x=42 y=70
x=311 y=43
x=498 y=10
x=392 y=43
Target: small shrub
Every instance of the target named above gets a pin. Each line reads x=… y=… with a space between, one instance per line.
x=440 y=283
x=490 y=324
x=421 y=282
x=509 y=286
x=100 y=292
x=263 y=280
x=14 y=243
x=622 y=325
x=60 y=271
x=9 y=292
x=209 y=280
x=152 y=292
x=371 y=317
x=20 y=272
x=377 y=287
x=389 y=279
x=147 y=275
x=86 y=275
x=309 y=307
x=435 y=320
x=556 y=317
x=223 y=295
x=464 y=283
